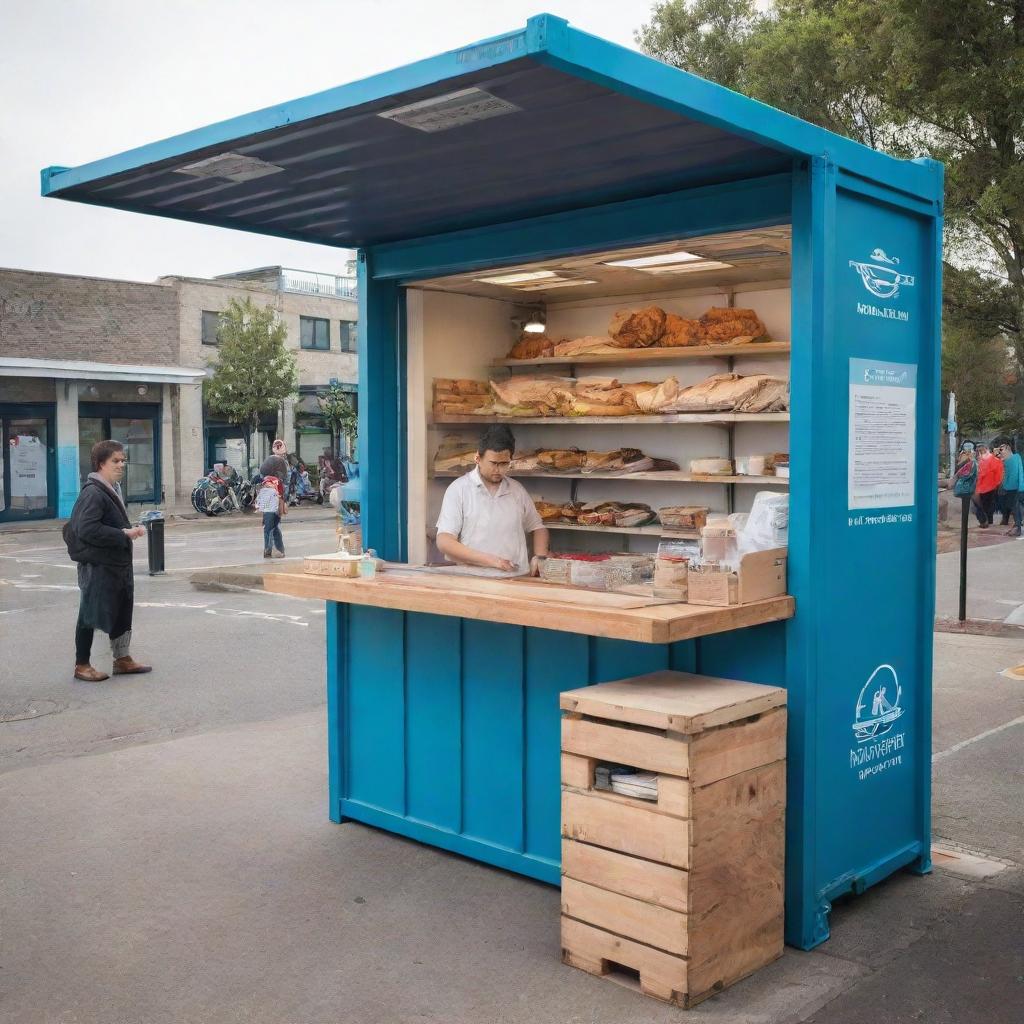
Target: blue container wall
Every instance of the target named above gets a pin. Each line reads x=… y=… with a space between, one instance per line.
x=447 y=729
x=410 y=695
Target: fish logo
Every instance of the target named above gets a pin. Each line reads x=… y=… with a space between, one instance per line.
x=879 y=276
x=877 y=708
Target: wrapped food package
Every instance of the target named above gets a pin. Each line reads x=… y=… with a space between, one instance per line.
x=723 y=326
x=588 y=345
x=599 y=400
x=755 y=465
x=529 y=395
x=680 y=332
x=683 y=517
x=670 y=568
x=632 y=514
x=638 y=329
x=454 y=455
x=560 y=460
x=523 y=462
x=460 y=397
x=531 y=346
x=711 y=467
x=770 y=394
x=622 y=460
x=460 y=386
x=782 y=465
x=658 y=397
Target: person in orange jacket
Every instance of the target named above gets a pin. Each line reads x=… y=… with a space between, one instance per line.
x=990 y=476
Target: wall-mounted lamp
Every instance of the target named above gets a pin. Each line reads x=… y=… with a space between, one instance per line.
x=143 y=389
x=531 y=321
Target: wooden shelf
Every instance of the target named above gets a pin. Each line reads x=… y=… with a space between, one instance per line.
x=717 y=418
x=653 y=530
x=649 y=476
x=638 y=356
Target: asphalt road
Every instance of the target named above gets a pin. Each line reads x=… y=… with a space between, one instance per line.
x=219 y=659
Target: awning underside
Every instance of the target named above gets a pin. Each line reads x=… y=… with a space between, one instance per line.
x=353 y=178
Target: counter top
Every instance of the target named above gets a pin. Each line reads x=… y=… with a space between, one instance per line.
x=530 y=602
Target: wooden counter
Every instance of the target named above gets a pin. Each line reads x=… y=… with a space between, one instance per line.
x=525 y=602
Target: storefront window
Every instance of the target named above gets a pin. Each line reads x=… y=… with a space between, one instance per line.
x=27 y=466
x=136 y=427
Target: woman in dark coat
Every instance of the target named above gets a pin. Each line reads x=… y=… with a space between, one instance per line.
x=99 y=536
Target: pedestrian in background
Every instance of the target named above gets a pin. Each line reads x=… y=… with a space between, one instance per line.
x=990 y=476
x=99 y=537
x=1013 y=483
x=271 y=504
x=276 y=464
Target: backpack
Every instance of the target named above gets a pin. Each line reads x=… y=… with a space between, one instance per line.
x=966 y=478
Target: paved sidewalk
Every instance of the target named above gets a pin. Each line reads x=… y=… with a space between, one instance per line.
x=197 y=880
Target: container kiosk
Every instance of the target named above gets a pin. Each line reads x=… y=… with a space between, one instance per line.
x=550 y=149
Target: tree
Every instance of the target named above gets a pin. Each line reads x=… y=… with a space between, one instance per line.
x=254 y=372
x=338 y=414
x=913 y=77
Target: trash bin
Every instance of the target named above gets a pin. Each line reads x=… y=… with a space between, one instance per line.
x=154 y=524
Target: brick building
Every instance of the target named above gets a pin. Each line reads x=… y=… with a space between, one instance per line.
x=86 y=358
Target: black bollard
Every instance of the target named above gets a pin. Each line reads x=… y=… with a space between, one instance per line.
x=155 y=545
x=964 y=517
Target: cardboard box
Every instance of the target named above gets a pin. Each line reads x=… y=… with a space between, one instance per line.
x=762 y=574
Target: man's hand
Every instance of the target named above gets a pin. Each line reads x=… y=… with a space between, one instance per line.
x=133 y=532
x=535 y=565
x=503 y=564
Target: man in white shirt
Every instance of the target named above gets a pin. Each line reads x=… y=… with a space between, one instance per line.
x=485 y=516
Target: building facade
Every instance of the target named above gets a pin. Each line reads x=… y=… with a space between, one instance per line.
x=83 y=358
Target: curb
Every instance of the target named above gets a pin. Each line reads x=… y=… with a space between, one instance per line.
x=980 y=627
x=246 y=577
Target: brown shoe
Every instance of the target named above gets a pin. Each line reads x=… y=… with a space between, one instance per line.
x=88 y=674
x=128 y=666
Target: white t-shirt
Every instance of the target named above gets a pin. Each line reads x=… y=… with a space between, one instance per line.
x=495 y=523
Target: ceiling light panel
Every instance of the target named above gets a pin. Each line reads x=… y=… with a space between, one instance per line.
x=643 y=262
x=452 y=110
x=233 y=166
x=518 y=277
x=561 y=282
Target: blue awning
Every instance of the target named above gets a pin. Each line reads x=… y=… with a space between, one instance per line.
x=538 y=121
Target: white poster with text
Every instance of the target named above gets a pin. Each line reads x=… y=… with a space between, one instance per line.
x=883 y=405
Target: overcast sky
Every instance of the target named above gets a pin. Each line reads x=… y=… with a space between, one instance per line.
x=83 y=79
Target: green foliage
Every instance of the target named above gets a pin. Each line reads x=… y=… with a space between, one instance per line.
x=912 y=77
x=254 y=371
x=338 y=414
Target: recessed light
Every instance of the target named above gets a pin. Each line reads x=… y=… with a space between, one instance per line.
x=440 y=113
x=519 y=277
x=233 y=166
x=563 y=282
x=641 y=262
x=688 y=268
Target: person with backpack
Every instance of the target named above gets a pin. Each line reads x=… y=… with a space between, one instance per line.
x=99 y=538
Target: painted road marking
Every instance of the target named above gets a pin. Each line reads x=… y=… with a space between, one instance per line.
x=974 y=739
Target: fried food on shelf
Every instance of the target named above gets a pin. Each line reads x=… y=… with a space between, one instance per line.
x=680 y=332
x=598 y=514
x=634 y=514
x=722 y=326
x=549 y=511
x=571 y=511
x=684 y=517
x=637 y=329
x=531 y=346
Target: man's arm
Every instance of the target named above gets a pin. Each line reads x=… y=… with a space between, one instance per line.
x=456 y=551
x=541 y=540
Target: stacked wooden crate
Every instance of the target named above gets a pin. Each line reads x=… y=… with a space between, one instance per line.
x=685 y=892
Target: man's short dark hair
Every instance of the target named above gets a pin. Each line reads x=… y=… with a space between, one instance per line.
x=496 y=438
x=102 y=450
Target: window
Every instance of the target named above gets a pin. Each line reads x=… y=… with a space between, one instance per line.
x=348 y=336
x=211 y=320
x=314 y=333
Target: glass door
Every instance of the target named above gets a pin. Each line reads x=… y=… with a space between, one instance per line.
x=137 y=436
x=137 y=427
x=28 y=478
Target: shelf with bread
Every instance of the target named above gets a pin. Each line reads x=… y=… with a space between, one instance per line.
x=652 y=530
x=667 y=476
x=707 y=419
x=656 y=354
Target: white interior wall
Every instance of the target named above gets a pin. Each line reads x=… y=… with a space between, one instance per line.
x=453 y=335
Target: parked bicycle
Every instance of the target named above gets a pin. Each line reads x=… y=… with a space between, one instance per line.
x=222 y=490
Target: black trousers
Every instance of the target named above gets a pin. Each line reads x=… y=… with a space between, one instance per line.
x=985 y=507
